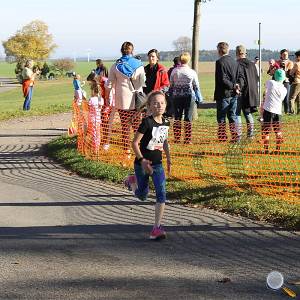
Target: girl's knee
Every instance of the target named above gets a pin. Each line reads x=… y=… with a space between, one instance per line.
x=161 y=200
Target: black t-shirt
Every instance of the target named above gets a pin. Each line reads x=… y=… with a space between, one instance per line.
x=155 y=134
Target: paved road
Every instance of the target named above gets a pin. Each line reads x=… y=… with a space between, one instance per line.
x=7 y=84
x=66 y=237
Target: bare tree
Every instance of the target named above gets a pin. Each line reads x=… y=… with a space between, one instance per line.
x=183 y=43
x=196 y=31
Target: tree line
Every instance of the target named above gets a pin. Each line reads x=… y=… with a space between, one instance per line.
x=212 y=55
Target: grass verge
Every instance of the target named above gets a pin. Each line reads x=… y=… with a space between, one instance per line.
x=220 y=198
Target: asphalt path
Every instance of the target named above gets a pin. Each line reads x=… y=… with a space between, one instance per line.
x=7 y=84
x=67 y=237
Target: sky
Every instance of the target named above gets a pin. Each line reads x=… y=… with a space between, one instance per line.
x=101 y=26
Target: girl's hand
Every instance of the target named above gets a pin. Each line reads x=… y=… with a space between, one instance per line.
x=146 y=165
x=169 y=167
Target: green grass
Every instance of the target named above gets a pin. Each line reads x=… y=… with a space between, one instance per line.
x=245 y=204
x=48 y=97
x=7 y=70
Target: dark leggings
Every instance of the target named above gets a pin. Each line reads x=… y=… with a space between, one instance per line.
x=182 y=106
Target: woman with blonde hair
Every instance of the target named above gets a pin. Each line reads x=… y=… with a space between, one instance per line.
x=184 y=85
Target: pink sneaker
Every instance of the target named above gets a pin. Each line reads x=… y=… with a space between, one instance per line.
x=129 y=180
x=157 y=233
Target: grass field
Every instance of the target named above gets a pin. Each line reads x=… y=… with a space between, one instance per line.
x=48 y=97
x=56 y=95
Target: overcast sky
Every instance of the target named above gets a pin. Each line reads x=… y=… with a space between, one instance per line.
x=102 y=25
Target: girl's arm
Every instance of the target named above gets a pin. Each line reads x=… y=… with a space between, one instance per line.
x=135 y=144
x=146 y=164
x=168 y=156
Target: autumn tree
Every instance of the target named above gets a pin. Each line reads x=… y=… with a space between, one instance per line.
x=33 y=41
x=183 y=43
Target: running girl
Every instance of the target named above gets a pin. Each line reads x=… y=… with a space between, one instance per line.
x=149 y=142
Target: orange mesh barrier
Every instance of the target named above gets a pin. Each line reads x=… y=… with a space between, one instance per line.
x=202 y=152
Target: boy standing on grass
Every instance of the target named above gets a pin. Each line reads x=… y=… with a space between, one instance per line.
x=148 y=143
x=272 y=109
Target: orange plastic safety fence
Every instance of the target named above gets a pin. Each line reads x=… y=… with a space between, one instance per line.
x=267 y=163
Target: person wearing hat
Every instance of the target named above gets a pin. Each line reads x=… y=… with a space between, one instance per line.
x=248 y=99
x=272 y=109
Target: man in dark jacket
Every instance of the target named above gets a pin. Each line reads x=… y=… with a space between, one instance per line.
x=226 y=91
x=248 y=100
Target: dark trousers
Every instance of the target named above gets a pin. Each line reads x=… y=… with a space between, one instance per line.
x=227 y=108
x=181 y=107
x=286 y=100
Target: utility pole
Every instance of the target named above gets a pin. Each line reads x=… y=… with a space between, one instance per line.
x=196 y=33
x=195 y=40
x=259 y=64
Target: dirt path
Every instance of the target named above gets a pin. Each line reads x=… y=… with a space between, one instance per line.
x=67 y=237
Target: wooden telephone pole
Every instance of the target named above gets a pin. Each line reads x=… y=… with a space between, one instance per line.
x=196 y=33
x=195 y=40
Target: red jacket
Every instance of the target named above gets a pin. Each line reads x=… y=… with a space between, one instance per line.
x=162 y=78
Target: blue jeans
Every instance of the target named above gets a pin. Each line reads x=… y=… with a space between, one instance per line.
x=248 y=117
x=227 y=107
x=159 y=181
x=27 y=101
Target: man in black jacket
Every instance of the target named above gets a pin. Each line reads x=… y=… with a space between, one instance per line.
x=226 y=91
x=248 y=100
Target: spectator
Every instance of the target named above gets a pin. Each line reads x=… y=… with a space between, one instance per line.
x=183 y=84
x=272 y=109
x=170 y=105
x=101 y=69
x=126 y=76
x=295 y=87
x=78 y=91
x=226 y=91
x=94 y=118
x=156 y=74
x=286 y=65
x=28 y=78
x=176 y=64
x=273 y=66
x=256 y=62
x=248 y=99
